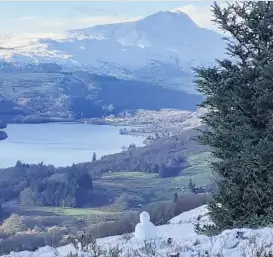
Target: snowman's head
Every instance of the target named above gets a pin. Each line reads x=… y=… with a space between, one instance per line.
x=144 y=217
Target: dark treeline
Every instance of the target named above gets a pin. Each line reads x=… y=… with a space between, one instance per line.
x=42 y=185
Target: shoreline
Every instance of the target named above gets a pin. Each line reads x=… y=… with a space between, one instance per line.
x=137 y=130
x=42 y=120
x=160 y=123
x=92 y=121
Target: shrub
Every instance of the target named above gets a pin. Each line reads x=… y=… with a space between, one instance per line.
x=13 y=224
x=189 y=202
x=21 y=243
x=126 y=224
x=162 y=212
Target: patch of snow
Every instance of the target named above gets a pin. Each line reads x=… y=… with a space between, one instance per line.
x=185 y=240
x=199 y=214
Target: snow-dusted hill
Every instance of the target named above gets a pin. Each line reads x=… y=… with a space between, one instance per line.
x=186 y=242
x=162 y=48
x=170 y=30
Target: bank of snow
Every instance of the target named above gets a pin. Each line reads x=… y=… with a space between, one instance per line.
x=230 y=243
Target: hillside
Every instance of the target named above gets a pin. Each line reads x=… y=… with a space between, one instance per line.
x=41 y=93
x=185 y=241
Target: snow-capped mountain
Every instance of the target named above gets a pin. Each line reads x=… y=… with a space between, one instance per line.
x=162 y=29
x=160 y=48
x=168 y=31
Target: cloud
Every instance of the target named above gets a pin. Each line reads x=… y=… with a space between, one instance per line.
x=202 y=14
x=83 y=21
x=82 y=16
x=61 y=24
x=27 y=18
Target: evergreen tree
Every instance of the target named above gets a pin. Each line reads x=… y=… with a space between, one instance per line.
x=175 y=209
x=175 y=198
x=191 y=186
x=1 y=212
x=94 y=157
x=239 y=104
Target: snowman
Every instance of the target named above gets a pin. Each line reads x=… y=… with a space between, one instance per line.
x=145 y=230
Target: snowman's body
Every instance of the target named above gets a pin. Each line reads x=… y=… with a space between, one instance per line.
x=145 y=230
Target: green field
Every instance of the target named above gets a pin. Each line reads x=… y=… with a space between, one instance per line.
x=74 y=211
x=150 y=186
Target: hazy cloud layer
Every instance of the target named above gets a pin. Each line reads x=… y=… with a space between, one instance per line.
x=82 y=16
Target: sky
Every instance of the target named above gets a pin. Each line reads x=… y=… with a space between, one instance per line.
x=59 y=16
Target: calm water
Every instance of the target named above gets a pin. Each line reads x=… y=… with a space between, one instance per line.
x=60 y=144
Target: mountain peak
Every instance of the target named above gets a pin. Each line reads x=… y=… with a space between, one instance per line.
x=161 y=22
x=150 y=31
x=170 y=18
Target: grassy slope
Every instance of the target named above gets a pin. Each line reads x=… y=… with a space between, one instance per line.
x=154 y=188
x=72 y=211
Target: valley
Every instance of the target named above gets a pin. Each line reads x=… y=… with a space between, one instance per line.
x=93 y=196
x=133 y=191
x=136 y=129
x=101 y=125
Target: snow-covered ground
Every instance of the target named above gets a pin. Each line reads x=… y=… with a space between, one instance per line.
x=185 y=241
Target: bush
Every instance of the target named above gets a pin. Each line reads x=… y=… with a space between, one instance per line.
x=189 y=202
x=13 y=224
x=45 y=221
x=125 y=224
x=162 y=212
